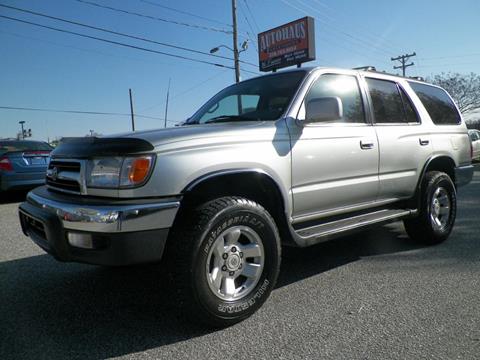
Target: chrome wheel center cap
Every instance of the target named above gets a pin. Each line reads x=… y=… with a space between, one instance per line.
x=233 y=262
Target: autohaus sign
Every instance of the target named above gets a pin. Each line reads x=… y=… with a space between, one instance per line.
x=286 y=45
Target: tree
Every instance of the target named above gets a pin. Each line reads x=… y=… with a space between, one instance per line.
x=464 y=88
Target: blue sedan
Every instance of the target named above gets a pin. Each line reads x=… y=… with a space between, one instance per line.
x=23 y=164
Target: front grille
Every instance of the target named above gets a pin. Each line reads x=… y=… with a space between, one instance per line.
x=64 y=175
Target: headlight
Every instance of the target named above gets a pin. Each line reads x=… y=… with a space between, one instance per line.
x=118 y=172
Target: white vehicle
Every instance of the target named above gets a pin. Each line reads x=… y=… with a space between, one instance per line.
x=475 y=139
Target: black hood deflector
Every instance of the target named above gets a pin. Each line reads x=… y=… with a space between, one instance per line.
x=88 y=147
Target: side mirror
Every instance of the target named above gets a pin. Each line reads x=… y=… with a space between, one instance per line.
x=323 y=109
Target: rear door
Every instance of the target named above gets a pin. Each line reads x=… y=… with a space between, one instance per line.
x=403 y=143
x=334 y=164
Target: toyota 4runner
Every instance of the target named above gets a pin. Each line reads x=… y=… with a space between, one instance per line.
x=290 y=158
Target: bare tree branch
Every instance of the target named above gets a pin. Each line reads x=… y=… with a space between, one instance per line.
x=464 y=88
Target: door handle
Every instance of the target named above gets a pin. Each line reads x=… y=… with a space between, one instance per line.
x=366 y=144
x=424 y=142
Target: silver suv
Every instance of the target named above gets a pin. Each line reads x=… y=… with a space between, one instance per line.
x=291 y=158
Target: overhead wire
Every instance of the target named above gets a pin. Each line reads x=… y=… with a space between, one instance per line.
x=119 y=43
x=196 y=26
x=251 y=14
x=254 y=42
x=184 y=12
x=121 y=34
x=177 y=95
x=349 y=37
x=77 y=112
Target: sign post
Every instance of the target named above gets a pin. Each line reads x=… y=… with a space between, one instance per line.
x=287 y=45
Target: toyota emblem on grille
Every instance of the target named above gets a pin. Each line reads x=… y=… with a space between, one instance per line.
x=52 y=173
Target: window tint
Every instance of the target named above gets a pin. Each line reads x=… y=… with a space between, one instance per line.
x=387 y=102
x=410 y=113
x=232 y=105
x=21 y=145
x=474 y=136
x=263 y=98
x=439 y=106
x=346 y=88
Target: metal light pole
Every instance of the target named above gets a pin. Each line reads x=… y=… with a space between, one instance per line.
x=236 y=52
x=21 y=124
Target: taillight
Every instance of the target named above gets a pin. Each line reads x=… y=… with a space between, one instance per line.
x=5 y=164
x=471 y=150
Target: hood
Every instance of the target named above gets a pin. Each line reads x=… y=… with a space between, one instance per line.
x=160 y=137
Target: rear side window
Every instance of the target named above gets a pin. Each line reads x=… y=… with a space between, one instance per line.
x=410 y=112
x=439 y=106
x=387 y=102
x=346 y=88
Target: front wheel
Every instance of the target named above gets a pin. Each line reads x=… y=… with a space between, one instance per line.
x=224 y=260
x=437 y=212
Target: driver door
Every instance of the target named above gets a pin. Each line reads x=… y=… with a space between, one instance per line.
x=334 y=164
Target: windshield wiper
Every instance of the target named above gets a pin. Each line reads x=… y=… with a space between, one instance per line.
x=227 y=118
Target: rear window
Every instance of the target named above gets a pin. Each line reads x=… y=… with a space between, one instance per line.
x=439 y=106
x=9 y=146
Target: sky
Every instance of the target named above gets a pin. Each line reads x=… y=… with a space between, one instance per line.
x=46 y=69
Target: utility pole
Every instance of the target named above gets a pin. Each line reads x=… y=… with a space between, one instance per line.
x=131 y=110
x=235 y=41
x=23 y=131
x=403 y=60
x=166 y=104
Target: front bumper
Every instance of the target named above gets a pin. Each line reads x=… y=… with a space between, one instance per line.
x=463 y=175
x=121 y=232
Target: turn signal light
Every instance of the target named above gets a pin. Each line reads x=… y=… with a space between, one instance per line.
x=139 y=169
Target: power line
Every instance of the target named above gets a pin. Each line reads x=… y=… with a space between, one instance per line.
x=76 y=112
x=450 y=57
x=155 y=18
x=351 y=38
x=36 y=39
x=251 y=28
x=117 y=43
x=251 y=14
x=367 y=32
x=177 y=95
x=119 y=33
x=184 y=12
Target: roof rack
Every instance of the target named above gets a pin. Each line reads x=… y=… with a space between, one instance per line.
x=365 y=68
x=419 y=78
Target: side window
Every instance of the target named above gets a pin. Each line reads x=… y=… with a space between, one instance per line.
x=387 y=102
x=410 y=113
x=346 y=88
x=439 y=106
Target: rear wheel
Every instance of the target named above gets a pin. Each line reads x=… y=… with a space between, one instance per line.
x=224 y=259
x=437 y=212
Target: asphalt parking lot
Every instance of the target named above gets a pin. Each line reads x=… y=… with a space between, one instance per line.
x=373 y=295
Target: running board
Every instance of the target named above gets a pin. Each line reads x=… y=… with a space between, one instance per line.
x=318 y=233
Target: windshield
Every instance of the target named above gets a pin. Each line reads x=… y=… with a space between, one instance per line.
x=264 y=98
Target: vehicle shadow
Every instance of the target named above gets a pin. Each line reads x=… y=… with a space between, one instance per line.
x=72 y=310
x=9 y=197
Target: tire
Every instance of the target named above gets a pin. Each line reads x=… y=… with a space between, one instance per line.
x=224 y=239
x=437 y=212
